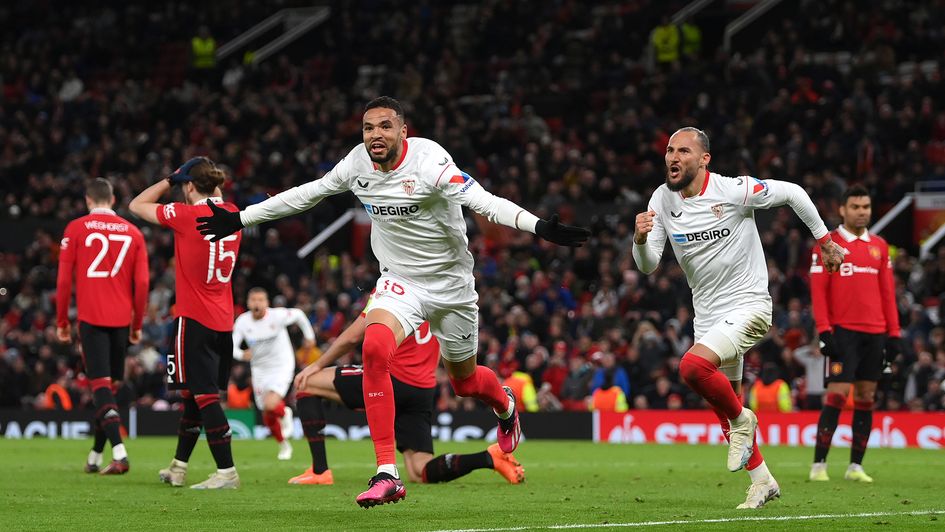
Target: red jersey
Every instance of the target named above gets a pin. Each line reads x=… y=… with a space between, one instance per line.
x=108 y=259
x=415 y=361
x=862 y=296
x=203 y=268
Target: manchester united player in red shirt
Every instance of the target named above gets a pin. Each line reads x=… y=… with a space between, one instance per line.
x=107 y=256
x=857 y=320
x=414 y=381
x=203 y=344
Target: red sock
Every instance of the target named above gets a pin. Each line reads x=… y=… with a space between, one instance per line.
x=272 y=421
x=756 y=457
x=706 y=379
x=483 y=385
x=279 y=410
x=376 y=352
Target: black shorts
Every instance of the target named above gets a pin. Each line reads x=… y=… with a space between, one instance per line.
x=103 y=350
x=414 y=418
x=200 y=358
x=858 y=356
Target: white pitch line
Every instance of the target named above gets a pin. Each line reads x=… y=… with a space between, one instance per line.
x=699 y=521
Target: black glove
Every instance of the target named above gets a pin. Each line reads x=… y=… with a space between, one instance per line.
x=826 y=344
x=222 y=223
x=564 y=235
x=891 y=353
x=182 y=174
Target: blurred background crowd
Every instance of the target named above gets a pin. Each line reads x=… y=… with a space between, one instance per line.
x=562 y=106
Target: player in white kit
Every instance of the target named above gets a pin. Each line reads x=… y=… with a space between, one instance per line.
x=709 y=219
x=271 y=359
x=414 y=194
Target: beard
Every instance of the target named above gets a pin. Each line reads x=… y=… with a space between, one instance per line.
x=688 y=176
x=391 y=153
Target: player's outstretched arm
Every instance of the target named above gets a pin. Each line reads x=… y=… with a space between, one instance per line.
x=463 y=189
x=286 y=203
x=343 y=344
x=774 y=193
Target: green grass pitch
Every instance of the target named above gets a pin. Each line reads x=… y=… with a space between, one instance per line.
x=585 y=485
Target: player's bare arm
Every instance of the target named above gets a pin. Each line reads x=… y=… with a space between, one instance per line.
x=344 y=344
x=145 y=204
x=644 y=224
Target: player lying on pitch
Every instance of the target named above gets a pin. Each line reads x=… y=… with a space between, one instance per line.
x=414 y=381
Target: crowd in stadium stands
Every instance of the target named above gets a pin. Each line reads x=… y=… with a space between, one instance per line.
x=549 y=104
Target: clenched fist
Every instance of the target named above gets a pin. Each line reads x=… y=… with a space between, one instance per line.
x=644 y=225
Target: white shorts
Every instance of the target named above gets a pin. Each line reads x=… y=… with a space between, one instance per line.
x=267 y=380
x=453 y=314
x=733 y=334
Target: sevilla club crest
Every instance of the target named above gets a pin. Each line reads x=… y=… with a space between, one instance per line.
x=409 y=185
x=717 y=210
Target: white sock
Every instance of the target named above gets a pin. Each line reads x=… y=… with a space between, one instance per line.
x=760 y=473
x=508 y=413
x=119 y=452
x=854 y=467
x=741 y=418
x=178 y=463
x=390 y=469
x=94 y=458
x=228 y=472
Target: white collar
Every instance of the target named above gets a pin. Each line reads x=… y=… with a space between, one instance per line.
x=101 y=210
x=850 y=237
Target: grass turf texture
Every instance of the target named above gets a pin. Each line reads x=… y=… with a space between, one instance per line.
x=44 y=488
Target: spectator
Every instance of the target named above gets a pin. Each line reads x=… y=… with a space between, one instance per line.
x=609 y=397
x=770 y=393
x=608 y=365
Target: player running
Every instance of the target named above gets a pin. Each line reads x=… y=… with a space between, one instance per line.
x=414 y=194
x=856 y=318
x=414 y=384
x=271 y=359
x=109 y=260
x=710 y=219
x=199 y=366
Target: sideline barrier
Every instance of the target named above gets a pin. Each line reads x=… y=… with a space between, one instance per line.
x=343 y=425
x=890 y=429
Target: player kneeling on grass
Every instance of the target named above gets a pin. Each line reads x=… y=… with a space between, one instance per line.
x=271 y=359
x=414 y=386
x=199 y=365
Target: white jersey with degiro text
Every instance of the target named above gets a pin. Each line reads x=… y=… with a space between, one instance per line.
x=418 y=230
x=267 y=338
x=716 y=241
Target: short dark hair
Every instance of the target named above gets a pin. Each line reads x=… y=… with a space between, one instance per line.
x=99 y=190
x=259 y=290
x=700 y=136
x=386 y=102
x=854 y=191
